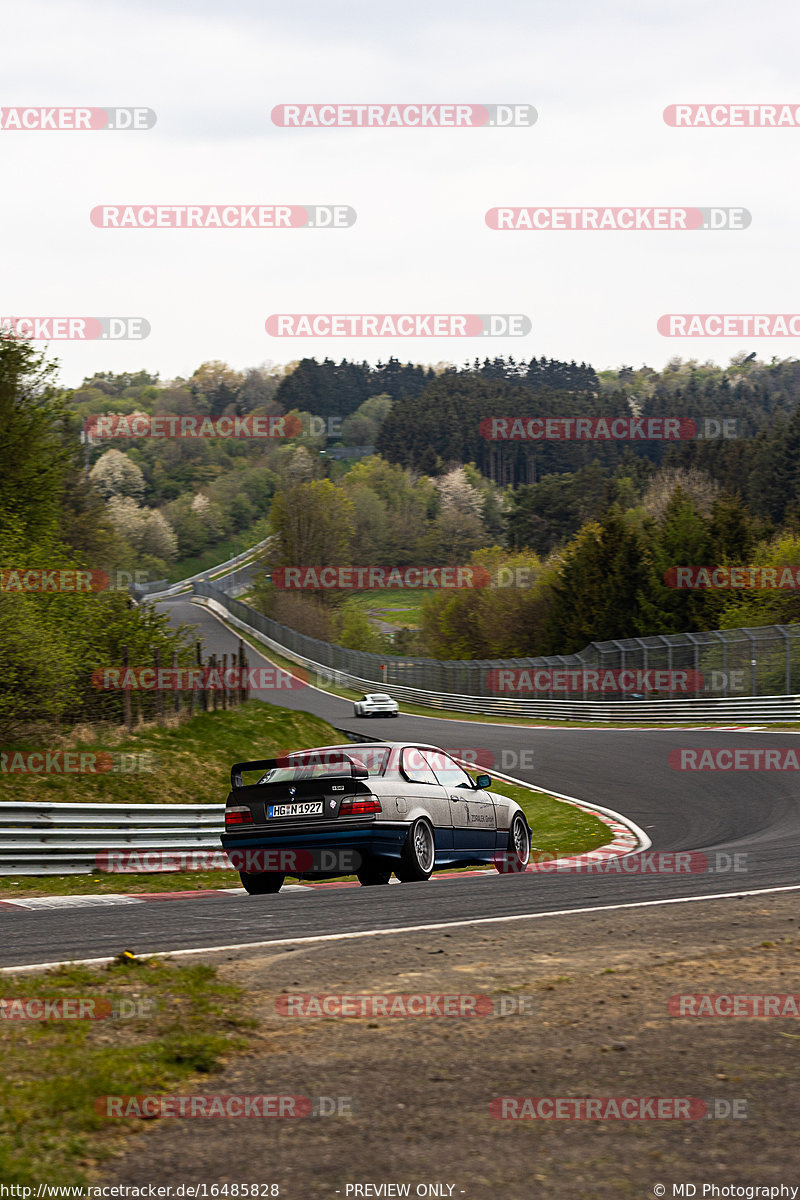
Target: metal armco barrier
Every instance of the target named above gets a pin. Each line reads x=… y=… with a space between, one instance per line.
x=377 y=671
x=64 y=839
x=156 y=591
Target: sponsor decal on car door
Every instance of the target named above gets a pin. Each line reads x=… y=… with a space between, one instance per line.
x=472 y=811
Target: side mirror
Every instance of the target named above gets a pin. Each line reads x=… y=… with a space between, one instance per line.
x=483 y=781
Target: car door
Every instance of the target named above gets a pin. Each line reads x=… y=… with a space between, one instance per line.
x=424 y=790
x=471 y=809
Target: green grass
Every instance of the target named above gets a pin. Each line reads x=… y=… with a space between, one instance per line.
x=188 y=1023
x=192 y=760
x=22 y=887
x=402 y=609
x=558 y=828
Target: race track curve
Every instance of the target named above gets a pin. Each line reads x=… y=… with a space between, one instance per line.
x=755 y=814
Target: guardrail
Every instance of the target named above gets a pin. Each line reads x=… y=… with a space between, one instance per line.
x=65 y=839
x=142 y=590
x=237 y=580
x=746 y=709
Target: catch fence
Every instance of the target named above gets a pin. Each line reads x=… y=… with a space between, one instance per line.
x=720 y=664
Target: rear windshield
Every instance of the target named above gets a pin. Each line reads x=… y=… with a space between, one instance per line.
x=328 y=765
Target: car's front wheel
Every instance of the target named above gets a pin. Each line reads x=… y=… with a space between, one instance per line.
x=373 y=873
x=261 y=883
x=418 y=853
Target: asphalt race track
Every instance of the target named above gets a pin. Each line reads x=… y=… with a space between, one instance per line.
x=722 y=813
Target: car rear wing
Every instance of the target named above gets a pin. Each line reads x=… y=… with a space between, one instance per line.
x=356 y=768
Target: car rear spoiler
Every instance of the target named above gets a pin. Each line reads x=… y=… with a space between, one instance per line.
x=357 y=768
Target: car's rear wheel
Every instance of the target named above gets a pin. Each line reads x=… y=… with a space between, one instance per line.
x=373 y=873
x=418 y=854
x=519 y=845
x=261 y=883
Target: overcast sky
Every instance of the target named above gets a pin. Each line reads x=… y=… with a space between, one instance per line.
x=599 y=77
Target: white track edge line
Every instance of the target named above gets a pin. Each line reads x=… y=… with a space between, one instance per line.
x=342 y=937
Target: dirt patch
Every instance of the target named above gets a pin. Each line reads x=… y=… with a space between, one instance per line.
x=586 y=1000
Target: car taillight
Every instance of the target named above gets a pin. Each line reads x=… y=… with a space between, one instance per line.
x=359 y=806
x=238 y=816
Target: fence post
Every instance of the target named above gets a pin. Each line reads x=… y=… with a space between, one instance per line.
x=177 y=701
x=753 y=662
x=127 y=713
x=224 y=693
x=203 y=696
x=242 y=673
x=159 y=693
x=696 y=660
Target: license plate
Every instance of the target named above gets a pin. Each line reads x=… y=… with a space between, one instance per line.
x=310 y=809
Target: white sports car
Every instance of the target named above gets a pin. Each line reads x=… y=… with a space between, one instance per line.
x=376 y=704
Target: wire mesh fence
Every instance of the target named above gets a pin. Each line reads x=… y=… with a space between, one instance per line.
x=758 y=661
